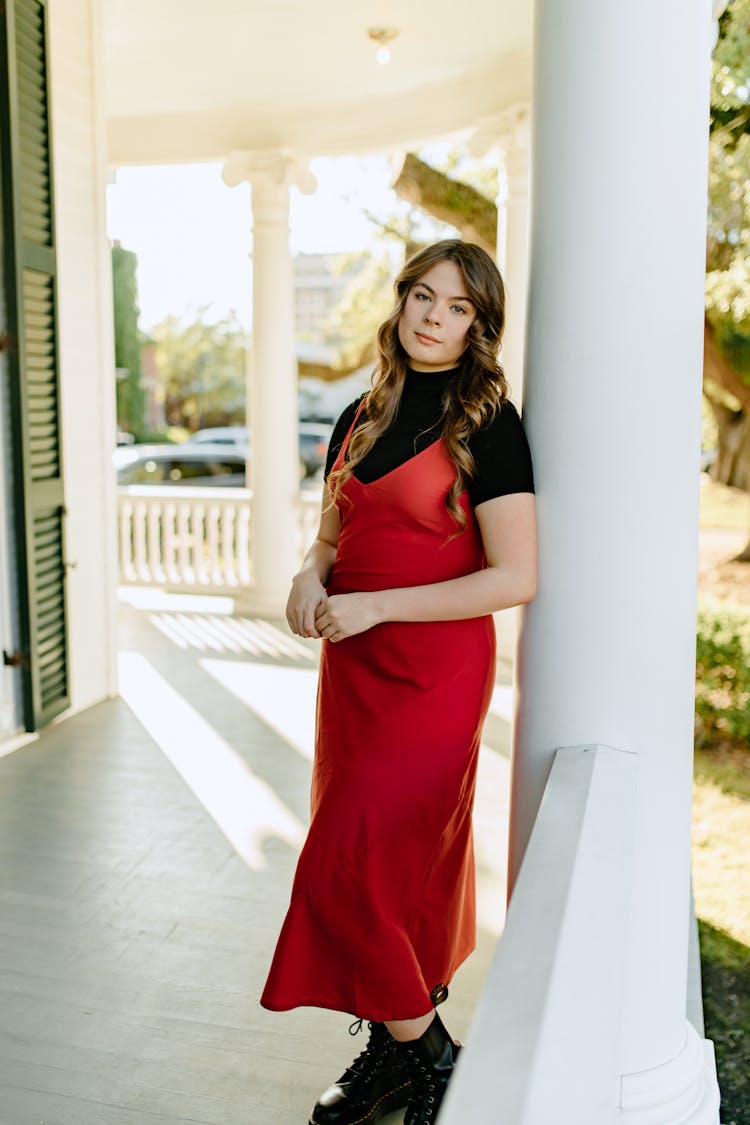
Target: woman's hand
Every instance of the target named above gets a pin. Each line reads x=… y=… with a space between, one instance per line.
x=343 y=615
x=307 y=595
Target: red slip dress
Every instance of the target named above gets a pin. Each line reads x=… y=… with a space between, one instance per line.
x=383 y=904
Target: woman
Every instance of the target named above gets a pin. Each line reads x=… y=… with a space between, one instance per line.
x=427 y=528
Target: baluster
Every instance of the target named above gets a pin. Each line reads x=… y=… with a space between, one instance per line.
x=125 y=508
x=244 y=562
x=186 y=574
x=197 y=541
x=213 y=518
x=169 y=531
x=139 y=540
x=157 y=572
x=228 y=546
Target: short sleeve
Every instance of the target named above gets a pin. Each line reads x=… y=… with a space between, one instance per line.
x=502 y=457
x=340 y=430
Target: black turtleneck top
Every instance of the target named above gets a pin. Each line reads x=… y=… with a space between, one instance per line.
x=500 y=449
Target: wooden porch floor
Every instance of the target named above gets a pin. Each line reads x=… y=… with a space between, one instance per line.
x=146 y=852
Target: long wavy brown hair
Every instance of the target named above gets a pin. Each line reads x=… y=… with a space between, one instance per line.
x=477 y=390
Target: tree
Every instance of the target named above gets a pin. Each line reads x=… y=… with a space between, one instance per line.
x=353 y=322
x=202 y=369
x=726 y=376
x=130 y=396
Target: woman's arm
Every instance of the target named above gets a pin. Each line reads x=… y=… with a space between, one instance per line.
x=308 y=585
x=508 y=528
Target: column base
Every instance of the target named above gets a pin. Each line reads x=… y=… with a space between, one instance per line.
x=683 y=1091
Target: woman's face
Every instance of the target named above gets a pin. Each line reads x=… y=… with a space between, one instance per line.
x=436 y=317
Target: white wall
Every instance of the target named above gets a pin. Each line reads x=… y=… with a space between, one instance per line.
x=86 y=342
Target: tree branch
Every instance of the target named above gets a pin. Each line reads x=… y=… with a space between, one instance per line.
x=449 y=201
x=717 y=367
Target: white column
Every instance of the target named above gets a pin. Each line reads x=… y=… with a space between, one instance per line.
x=510 y=132
x=272 y=379
x=501 y=202
x=517 y=161
x=614 y=350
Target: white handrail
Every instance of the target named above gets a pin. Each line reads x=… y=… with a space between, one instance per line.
x=542 y=1046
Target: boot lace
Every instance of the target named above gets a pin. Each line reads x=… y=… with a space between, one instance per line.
x=369 y=1062
x=425 y=1097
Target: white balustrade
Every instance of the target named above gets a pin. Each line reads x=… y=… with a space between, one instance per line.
x=194 y=539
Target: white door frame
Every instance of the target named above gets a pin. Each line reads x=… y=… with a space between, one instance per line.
x=10 y=708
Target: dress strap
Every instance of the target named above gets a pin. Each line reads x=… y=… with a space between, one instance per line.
x=341 y=455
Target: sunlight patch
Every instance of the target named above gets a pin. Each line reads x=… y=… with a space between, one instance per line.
x=283 y=697
x=245 y=808
x=502 y=702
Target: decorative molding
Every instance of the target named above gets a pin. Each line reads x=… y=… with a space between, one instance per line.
x=508 y=129
x=510 y=133
x=683 y=1089
x=275 y=167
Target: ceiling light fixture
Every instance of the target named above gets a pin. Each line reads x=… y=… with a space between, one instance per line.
x=383 y=36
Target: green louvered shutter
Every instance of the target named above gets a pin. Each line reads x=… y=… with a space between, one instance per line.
x=34 y=367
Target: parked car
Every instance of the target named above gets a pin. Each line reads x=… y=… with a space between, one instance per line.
x=200 y=465
x=313 y=445
x=313 y=442
x=235 y=436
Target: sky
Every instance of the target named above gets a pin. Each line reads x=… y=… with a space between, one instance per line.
x=192 y=234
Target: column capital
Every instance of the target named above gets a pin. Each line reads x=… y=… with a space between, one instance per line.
x=509 y=129
x=510 y=132
x=277 y=167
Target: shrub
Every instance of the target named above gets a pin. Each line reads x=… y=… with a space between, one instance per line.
x=722 y=690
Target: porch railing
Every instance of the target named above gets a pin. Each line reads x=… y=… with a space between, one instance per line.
x=561 y=952
x=194 y=539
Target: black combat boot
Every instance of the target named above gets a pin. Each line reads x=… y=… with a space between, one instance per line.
x=430 y=1061
x=376 y=1083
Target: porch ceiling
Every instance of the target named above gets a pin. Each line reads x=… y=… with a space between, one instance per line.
x=186 y=82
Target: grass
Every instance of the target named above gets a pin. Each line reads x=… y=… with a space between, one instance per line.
x=721 y=838
x=722 y=506
x=726 y=1009
x=727 y=769
x=721 y=875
